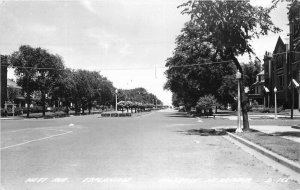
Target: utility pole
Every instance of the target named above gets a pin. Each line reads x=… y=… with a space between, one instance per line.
x=289 y=62
x=117 y=100
x=238 y=77
x=275 y=91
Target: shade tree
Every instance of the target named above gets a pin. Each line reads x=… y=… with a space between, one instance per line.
x=228 y=28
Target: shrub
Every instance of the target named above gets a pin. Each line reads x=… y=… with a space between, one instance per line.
x=36 y=109
x=122 y=114
x=206 y=102
x=105 y=115
x=271 y=110
x=114 y=114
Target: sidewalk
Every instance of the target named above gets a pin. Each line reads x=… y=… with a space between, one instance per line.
x=286 y=132
x=257 y=115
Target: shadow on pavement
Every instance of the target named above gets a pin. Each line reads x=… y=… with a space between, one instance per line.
x=208 y=132
x=180 y=114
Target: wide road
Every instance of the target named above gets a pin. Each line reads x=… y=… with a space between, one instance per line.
x=153 y=151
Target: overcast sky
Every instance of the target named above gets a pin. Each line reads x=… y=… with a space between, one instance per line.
x=128 y=41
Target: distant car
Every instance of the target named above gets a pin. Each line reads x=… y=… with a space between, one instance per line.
x=182 y=109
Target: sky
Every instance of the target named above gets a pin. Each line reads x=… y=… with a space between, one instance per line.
x=127 y=41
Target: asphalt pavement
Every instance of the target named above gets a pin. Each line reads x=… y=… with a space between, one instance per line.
x=153 y=151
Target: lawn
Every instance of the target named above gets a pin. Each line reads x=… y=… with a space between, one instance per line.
x=275 y=143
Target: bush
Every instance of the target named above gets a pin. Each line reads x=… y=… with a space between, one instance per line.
x=3 y=112
x=36 y=109
x=206 y=102
x=105 y=115
x=18 y=111
x=114 y=115
x=122 y=114
x=271 y=110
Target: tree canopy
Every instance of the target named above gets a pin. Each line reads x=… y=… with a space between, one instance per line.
x=140 y=95
x=218 y=31
x=36 y=70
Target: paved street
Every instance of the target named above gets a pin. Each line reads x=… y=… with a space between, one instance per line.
x=153 y=151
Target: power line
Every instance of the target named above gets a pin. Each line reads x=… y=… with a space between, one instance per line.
x=199 y=64
x=37 y=68
x=138 y=68
x=286 y=52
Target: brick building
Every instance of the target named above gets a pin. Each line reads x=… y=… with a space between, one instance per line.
x=282 y=70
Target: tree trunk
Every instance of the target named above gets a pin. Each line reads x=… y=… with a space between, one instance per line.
x=243 y=98
x=67 y=108
x=82 y=107
x=76 y=107
x=28 y=103
x=244 y=106
x=90 y=107
x=43 y=103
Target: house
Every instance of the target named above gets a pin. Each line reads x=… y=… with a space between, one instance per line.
x=257 y=91
x=11 y=93
x=3 y=88
x=14 y=93
x=277 y=69
x=281 y=70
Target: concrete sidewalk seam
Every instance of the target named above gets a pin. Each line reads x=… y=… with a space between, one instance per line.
x=274 y=156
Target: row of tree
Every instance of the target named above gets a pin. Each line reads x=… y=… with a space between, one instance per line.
x=40 y=72
x=205 y=58
x=137 y=99
x=138 y=95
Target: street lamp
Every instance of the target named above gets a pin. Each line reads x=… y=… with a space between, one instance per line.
x=116 y=99
x=238 y=77
x=275 y=91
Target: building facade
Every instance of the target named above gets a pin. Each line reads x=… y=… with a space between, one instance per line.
x=277 y=69
x=282 y=70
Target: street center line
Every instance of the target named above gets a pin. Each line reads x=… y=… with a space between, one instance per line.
x=35 y=140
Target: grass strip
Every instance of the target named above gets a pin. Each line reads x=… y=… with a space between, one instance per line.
x=284 y=147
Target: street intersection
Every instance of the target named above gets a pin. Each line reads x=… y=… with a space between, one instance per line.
x=153 y=151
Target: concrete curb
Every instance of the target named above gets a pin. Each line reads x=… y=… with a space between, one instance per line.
x=276 y=157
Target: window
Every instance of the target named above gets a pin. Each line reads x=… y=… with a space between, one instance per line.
x=280 y=82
